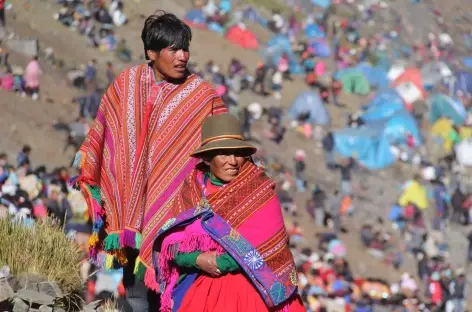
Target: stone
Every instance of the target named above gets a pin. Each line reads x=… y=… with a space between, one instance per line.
x=6 y=292
x=45 y=308
x=20 y=306
x=59 y=310
x=35 y=297
x=50 y=288
x=30 y=281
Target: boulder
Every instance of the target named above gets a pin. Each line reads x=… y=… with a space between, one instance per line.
x=50 y=288
x=35 y=297
x=45 y=308
x=27 y=281
x=26 y=47
x=6 y=292
x=20 y=306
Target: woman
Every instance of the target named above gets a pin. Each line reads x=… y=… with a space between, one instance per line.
x=217 y=251
x=32 y=74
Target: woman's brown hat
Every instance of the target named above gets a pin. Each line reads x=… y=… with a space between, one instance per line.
x=222 y=132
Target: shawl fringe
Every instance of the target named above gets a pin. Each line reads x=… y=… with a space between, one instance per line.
x=146 y=274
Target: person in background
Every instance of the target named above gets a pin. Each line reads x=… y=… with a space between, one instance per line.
x=32 y=74
x=334 y=210
x=458 y=290
x=336 y=89
x=328 y=147
x=23 y=157
x=90 y=75
x=110 y=73
x=277 y=79
x=300 y=169
x=345 y=170
x=261 y=72
x=2 y=13
x=318 y=197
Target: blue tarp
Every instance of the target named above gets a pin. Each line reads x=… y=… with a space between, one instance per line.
x=370 y=144
x=385 y=104
x=309 y=103
x=320 y=48
x=322 y=3
x=462 y=81
x=276 y=47
x=369 y=147
x=376 y=75
x=195 y=16
x=444 y=106
x=313 y=31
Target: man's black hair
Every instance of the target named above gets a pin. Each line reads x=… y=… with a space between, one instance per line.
x=26 y=149
x=162 y=30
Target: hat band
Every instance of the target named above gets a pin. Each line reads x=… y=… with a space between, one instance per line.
x=223 y=137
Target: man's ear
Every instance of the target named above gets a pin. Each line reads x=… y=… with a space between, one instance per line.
x=152 y=55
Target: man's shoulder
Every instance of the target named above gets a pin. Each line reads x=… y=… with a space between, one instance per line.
x=132 y=70
x=196 y=81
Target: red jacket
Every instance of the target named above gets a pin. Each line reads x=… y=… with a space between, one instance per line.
x=436 y=292
x=2 y=4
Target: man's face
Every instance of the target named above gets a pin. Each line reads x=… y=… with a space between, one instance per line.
x=170 y=62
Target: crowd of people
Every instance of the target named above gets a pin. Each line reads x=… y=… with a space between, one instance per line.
x=325 y=280
x=25 y=82
x=96 y=20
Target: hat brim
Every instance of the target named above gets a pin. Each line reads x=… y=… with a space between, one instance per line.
x=226 y=144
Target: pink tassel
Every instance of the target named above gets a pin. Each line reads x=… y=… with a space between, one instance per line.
x=128 y=238
x=199 y=242
x=150 y=280
x=166 y=297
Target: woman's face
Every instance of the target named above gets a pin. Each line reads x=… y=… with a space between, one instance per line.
x=226 y=165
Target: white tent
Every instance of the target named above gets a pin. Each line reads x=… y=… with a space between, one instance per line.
x=463 y=152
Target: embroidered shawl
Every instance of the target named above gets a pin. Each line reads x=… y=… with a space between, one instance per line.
x=245 y=218
x=136 y=156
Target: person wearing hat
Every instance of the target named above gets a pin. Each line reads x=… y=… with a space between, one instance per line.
x=212 y=250
x=458 y=288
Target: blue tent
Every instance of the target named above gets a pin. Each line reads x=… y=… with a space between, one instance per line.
x=309 y=103
x=376 y=75
x=462 y=81
x=468 y=62
x=276 y=47
x=444 y=106
x=322 y=3
x=366 y=145
x=195 y=17
x=396 y=127
x=385 y=104
x=320 y=48
x=313 y=31
x=370 y=144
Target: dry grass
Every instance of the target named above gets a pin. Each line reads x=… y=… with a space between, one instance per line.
x=42 y=250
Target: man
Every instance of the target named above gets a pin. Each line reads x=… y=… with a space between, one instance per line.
x=136 y=155
x=110 y=73
x=90 y=75
x=23 y=157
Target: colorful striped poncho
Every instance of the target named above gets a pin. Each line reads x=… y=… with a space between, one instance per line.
x=135 y=158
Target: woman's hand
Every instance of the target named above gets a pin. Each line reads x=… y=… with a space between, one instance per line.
x=207 y=263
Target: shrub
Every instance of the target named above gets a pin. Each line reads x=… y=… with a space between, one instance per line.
x=42 y=249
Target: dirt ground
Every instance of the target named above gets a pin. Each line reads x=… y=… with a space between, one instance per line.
x=25 y=121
